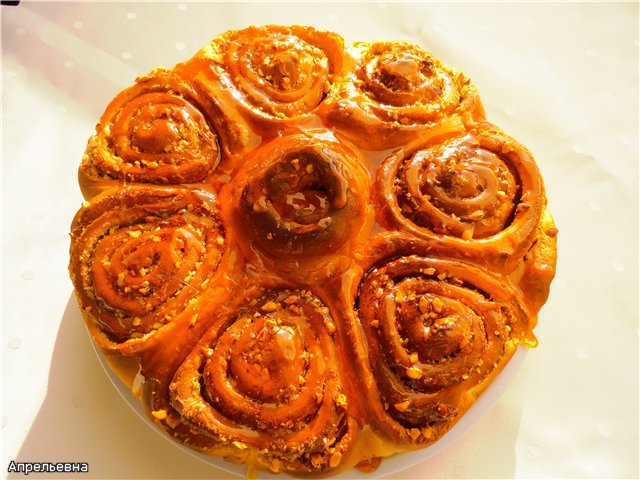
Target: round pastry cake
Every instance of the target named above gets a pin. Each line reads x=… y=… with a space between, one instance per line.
x=306 y=255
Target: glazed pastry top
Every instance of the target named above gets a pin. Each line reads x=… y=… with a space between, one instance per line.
x=306 y=255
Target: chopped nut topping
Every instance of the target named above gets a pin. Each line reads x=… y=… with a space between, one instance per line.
x=172 y=421
x=291 y=299
x=414 y=433
x=423 y=304
x=335 y=459
x=414 y=372
x=477 y=215
x=159 y=414
x=316 y=460
x=269 y=307
x=329 y=325
x=402 y=406
x=438 y=304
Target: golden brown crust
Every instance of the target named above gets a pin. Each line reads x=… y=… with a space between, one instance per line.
x=307 y=256
x=301 y=195
x=266 y=381
x=139 y=258
x=152 y=132
x=478 y=196
x=398 y=93
x=277 y=75
x=435 y=329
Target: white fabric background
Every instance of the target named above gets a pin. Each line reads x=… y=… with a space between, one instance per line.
x=560 y=77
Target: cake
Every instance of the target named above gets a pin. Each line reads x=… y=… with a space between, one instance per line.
x=306 y=255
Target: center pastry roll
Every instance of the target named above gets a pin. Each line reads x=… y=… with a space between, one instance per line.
x=299 y=198
x=265 y=387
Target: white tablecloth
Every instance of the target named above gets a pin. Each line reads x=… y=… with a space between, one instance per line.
x=560 y=77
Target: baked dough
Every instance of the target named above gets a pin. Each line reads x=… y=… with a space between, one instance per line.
x=306 y=255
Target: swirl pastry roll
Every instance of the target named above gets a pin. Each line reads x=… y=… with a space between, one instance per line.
x=138 y=257
x=265 y=383
x=153 y=132
x=437 y=330
x=301 y=196
x=399 y=92
x=277 y=162
x=279 y=73
x=479 y=196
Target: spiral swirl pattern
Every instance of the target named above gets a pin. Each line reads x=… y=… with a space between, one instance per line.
x=435 y=329
x=145 y=254
x=153 y=132
x=458 y=190
x=407 y=84
x=466 y=193
x=268 y=380
x=398 y=94
x=306 y=256
x=283 y=72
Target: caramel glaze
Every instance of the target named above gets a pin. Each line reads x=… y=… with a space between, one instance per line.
x=306 y=256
